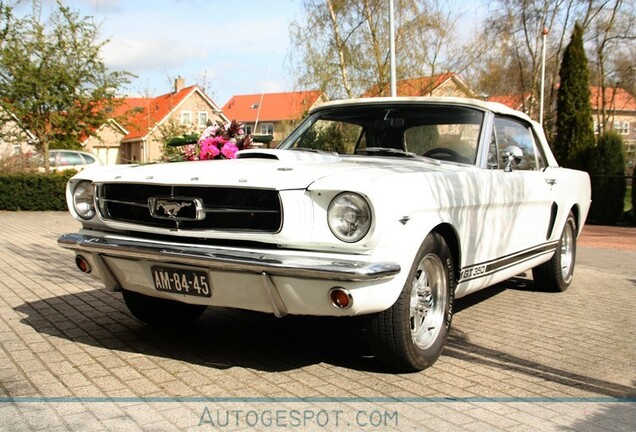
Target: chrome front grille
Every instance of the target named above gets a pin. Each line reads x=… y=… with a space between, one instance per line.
x=191 y=207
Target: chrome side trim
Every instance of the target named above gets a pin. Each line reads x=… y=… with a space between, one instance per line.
x=230 y=259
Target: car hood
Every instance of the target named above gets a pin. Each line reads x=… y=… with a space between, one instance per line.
x=272 y=169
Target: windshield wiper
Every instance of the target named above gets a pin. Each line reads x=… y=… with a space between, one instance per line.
x=388 y=151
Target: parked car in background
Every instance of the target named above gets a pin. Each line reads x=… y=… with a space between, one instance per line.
x=61 y=160
x=388 y=208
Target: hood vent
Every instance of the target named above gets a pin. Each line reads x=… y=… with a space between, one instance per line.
x=257 y=155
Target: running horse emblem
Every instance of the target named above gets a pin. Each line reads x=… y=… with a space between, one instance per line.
x=171 y=208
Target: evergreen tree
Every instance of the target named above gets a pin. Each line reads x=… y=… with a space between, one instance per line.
x=574 y=124
x=634 y=198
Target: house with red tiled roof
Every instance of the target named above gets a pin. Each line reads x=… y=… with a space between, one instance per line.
x=446 y=84
x=514 y=101
x=135 y=133
x=272 y=113
x=620 y=107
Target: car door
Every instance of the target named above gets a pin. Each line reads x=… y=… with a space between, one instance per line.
x=521 y=197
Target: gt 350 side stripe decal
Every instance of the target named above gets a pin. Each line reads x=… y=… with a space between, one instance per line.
x=484 y=269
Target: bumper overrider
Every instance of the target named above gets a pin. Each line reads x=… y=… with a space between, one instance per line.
x=290 y=282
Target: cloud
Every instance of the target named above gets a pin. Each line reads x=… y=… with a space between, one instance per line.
x=102 y=6
x=141 y=55
x=205 y=42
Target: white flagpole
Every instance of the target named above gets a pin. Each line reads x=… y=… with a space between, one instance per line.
x=392 y=47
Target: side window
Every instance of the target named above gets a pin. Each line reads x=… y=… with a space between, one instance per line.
x=511 y=132
x=186 y=117
x=202 y=119
x=267 y=128
x=68 y=158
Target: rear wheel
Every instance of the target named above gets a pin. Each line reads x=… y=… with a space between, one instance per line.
x=556 y=274
x=411 y=334
x=161 y=312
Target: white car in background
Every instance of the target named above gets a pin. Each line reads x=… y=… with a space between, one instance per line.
x=387 y=207
x=61 y=160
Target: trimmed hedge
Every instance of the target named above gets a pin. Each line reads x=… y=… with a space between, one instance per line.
x=34 y=191
x=183 y=140
x=607 y=169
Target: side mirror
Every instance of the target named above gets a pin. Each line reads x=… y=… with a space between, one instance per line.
x=511 y=154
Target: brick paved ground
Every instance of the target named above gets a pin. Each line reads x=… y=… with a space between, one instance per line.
x=72 y=358
x=603 y=237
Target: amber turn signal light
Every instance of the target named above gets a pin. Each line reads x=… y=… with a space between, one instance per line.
x=340 y=298
x=82 y=264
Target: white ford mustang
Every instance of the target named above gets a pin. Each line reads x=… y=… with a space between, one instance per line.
x=387 y=207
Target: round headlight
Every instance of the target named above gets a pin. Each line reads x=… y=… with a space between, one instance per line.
x=83 y=200
x=349 y=217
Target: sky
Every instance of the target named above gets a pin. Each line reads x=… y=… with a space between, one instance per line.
x=227 y=46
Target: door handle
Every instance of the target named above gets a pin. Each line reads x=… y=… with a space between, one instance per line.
x=550 y=181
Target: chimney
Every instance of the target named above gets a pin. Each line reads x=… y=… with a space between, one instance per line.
x=179 y=83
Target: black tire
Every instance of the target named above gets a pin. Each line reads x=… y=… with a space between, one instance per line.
x=556 y=275
x=161 y=312
x=411 y=334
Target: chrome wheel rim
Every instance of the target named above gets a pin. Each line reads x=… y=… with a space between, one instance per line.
x=428 y=301
x=567 y=252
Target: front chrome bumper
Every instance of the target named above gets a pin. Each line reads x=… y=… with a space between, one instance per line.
x=230 y=259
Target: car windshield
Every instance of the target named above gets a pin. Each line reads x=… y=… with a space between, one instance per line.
x=448 y=133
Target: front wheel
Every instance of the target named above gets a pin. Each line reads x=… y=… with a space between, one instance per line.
x=161 y=312
x=411 y=334
x=556 y=274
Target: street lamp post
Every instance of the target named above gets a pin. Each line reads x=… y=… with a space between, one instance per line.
x=544 y=34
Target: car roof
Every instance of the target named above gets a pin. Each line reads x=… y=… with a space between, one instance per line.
x=71 y=151
x=495 y=107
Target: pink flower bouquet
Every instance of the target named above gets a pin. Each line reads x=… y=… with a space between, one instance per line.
x=216 y=142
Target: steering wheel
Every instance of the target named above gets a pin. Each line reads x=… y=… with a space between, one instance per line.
x=445 y=153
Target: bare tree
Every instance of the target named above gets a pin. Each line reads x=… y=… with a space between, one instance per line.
x=342 y=47
x=339 y=44
x=514 y=31
x=611 y=29
x=625 y=68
